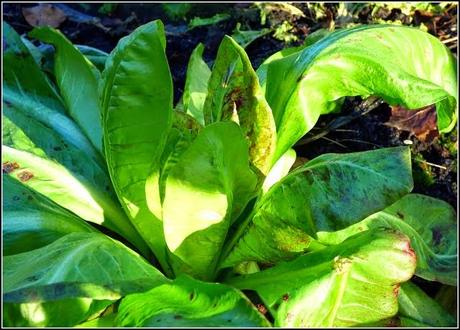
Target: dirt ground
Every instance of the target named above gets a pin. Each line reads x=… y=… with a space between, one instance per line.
x=434 y=160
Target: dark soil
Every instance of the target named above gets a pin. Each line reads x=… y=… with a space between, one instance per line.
x=434 y=163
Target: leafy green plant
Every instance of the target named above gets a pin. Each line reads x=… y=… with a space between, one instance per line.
x=123 y=210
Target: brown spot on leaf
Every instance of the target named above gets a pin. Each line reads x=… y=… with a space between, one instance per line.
x=177 y=317
x=420 y=122
x=396 y=289
x=25 y=176
x=286 y=297
x=408 y=250
x=233 y=100
x=43 y=15
x=393 y=322
x=261 y=308
x=8 y=167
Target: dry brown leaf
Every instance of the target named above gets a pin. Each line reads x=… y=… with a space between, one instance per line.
x=44 y=15
x=420 y=122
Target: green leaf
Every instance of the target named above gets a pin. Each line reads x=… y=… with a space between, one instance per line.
x=234 y=94
x=94 y=55
x=196 y=84
x=328 y=193
x=416 y=308
x=33 y=50
x=31 y=221
x=212 y=182
x=23 y=75
x=344 y=285
x=187 y=302
x=361 y=61
x=80 y=270
x=77 y=79
x=37 y=157
x=27 y=88
x=431 y=225
x=137 y=98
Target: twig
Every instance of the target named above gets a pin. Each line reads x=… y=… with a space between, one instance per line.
x=335 y=142
x=431 y=164
x=364 y=142
x=346 y=130
x=446 y=41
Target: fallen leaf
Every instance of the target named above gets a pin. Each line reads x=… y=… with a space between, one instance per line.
x=420 y=122
x=44 y=15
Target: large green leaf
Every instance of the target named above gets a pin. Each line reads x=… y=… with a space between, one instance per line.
x=77 y=79
x=23 y=75
x=234 y=94
x=416 y=308
x=402 y=65
x=348 y=284
x=31 y=221
x=27 y=88
x=330 y=192
x=81 y=271
x=205 y=191
x=137 y=98
x=431 y=225
x=189 y=303
x=196 y=84
x=36 y=156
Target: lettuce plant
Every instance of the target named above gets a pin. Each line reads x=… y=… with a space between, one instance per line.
x=121 y=209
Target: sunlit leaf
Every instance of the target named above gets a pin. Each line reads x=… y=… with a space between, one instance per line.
x=234 y=94
x=431 y=225
x=136 y=96
x=402 y=65
x=212 y=182
x=328 y=193
x=348 y=284
x=80 y=270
